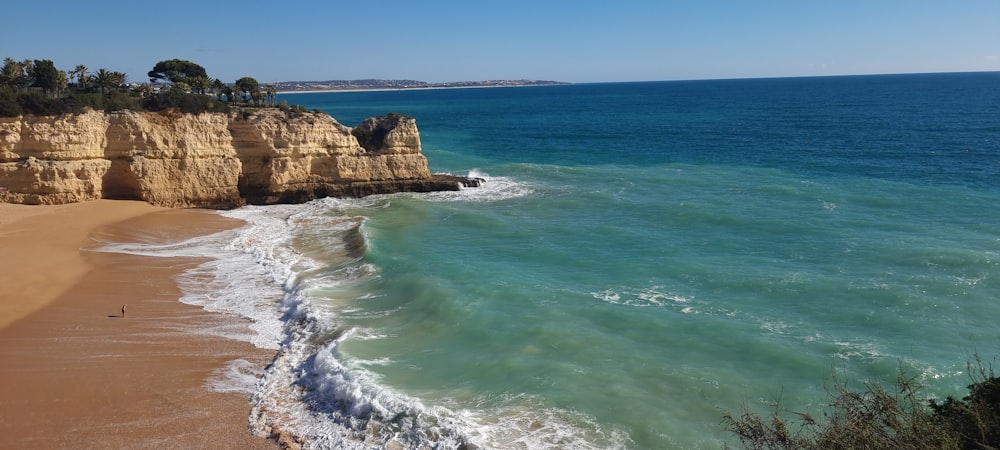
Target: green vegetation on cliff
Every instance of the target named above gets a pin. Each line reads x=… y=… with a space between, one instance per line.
x=38 y=87
x=880 y=419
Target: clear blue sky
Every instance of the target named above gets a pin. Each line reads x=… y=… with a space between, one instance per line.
x=465 y=40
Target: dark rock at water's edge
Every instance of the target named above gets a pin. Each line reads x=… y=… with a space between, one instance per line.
x=357 y=189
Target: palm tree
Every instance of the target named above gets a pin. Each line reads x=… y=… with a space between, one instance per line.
x=120 y=79
x=12 y=74
x=62 y=81
x=218 y=87
x=28 y=66
x=80 y=72
x=104 y=79
x=271 y=94
x=199 y=84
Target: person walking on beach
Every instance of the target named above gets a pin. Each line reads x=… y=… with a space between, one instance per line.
x=123 y=310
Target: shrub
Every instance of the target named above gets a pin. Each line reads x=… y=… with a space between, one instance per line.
x=184 y=102
x=38 y=103
x=879 y=419
x=14 y=103
x=119 y=100
x=976 y=417
x=9 y=107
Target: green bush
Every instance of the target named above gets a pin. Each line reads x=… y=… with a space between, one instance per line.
x=119 y=100
x=976 y=417
x=9 y=107
x=184 y=102
x=879 y=419
x=39 y=103
x=112 y=101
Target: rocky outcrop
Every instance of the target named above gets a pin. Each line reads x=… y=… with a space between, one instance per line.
x=210 y=160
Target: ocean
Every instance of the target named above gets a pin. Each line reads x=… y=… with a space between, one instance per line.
x=642 y=258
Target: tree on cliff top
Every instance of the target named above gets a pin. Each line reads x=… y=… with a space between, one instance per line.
x=13 y=75
x=44 y=75
x=22 y=83
x=80 y=72
x=247 y=85
x=106 y=80
x=180 y=71
x=218 y=88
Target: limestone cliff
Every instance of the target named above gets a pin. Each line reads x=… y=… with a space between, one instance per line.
x=209 y=160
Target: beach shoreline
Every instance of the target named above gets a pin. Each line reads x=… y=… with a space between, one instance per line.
x=75 y=372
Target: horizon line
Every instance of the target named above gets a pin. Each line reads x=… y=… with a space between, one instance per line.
x=442 y=84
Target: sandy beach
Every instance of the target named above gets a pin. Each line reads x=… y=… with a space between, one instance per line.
x=75 y=373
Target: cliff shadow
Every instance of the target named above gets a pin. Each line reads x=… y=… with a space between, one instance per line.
x=120 y=182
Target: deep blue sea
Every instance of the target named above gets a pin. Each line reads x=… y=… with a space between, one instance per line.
x=642 y=258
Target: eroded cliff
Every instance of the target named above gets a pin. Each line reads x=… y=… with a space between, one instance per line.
x=209 y=160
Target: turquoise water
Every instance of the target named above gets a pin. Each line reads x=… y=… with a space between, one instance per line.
x=643 y=258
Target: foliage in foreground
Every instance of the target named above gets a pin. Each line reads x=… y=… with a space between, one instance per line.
x=880 y=419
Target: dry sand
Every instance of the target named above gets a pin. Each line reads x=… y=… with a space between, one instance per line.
x=73 y=372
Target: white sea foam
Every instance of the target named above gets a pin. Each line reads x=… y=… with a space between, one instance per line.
x=368 y=334
x=968 y=281
x=490 y=190
x=239 y=376
x=376 y=362
x=345 y=406
x=932 y=373
x=653 y=296
x=196 y=247
x=856 y=349
x=776 y=327
x=258 y=272
x=310 y=392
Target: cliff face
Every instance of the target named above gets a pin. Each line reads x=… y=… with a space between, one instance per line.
x=50 y=160
x=177 y=161
x=209 y=160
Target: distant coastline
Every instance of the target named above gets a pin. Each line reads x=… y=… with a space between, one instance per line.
x=294 y=87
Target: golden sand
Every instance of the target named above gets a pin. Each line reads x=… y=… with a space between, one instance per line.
x=74 y=373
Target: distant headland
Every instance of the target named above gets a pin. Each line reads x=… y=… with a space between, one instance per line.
x=377 y=84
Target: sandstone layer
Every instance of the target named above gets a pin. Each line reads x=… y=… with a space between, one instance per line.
x=210 y=160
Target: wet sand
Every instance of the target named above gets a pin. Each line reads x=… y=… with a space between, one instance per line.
x=74 y=373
